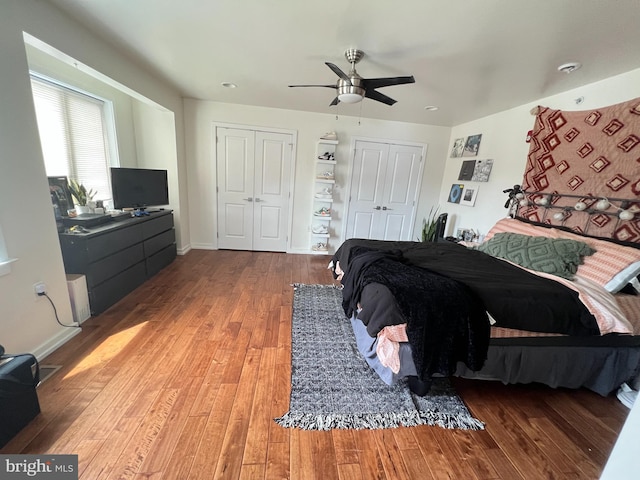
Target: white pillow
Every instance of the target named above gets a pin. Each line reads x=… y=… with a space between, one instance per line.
x=621 y=279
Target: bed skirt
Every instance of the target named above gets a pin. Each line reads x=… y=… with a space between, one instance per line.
x=601 y=369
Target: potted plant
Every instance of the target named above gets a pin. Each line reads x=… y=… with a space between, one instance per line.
x=429 y=226
x=82 y=197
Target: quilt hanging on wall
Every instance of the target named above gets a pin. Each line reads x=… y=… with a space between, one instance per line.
x=595 y=153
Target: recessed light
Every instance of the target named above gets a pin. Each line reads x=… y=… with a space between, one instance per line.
x=569 y=67
x=228 y=85
x=431 y=108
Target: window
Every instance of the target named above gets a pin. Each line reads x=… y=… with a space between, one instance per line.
x=75 y=133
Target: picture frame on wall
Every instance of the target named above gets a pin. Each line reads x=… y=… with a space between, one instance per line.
x=482 y=170
x=466 y=170
x=60 y=194
x=469 y=194
x=472 y=145
x=458 y=147
x=455 y=194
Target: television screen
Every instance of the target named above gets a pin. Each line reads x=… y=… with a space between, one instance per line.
x=139 y=187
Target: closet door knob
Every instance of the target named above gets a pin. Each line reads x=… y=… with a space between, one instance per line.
x=250 y=199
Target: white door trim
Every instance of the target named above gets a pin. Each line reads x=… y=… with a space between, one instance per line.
x=352 y=154
x=214 y=157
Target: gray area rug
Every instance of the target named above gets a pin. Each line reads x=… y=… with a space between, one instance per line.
x=332 y=386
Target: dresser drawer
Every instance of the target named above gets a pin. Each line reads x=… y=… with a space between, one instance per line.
x=102 y=246
x=106 y=268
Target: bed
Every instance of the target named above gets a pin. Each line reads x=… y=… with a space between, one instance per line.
x=423 y=309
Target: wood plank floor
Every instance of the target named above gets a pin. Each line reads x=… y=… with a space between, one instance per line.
x=182 y=380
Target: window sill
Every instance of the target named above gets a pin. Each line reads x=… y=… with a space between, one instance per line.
x=5 y=266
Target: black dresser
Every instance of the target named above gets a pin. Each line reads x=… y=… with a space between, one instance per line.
x=119 y=256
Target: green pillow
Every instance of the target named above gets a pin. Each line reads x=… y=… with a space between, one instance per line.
x=557 y=256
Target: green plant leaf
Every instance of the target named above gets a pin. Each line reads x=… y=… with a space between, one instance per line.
x=429 y=225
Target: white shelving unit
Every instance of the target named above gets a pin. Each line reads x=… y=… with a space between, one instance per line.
x=324 y=183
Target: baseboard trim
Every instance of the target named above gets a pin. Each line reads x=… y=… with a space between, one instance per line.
x=55 y=342
x=184 y=250
x=204 y=246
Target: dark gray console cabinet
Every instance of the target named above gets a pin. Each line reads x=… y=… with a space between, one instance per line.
x=119 y=256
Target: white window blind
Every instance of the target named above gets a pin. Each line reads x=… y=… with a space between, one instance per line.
x=74 y=135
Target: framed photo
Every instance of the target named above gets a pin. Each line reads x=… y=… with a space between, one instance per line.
x=482 y=171
x=472 y=145
x=458 y=148
x=60 y=194
x=455 y=194
x=469 y=195
x=466 y=170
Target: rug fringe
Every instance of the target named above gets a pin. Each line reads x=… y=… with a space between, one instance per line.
x=375 y=421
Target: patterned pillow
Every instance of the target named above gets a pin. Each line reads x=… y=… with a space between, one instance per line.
x=612 y=266
x=556 y=256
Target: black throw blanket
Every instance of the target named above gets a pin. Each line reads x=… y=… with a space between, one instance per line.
x=446 y=323
x=514 y=297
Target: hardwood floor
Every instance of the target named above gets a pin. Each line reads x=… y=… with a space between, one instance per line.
x=182 y=380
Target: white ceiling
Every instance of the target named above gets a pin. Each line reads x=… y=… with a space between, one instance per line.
x=471 y=58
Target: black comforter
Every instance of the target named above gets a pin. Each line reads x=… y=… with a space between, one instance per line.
x=514 y=297
x=446 y=323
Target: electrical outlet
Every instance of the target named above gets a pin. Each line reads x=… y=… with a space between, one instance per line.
x=40 y=288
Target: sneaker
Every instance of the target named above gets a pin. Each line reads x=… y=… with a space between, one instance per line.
x=329 y=136
x=326 y=156
x=325 y=175
x=320 y=247
x=320 y=229
x=323 y=212
x=324 y=193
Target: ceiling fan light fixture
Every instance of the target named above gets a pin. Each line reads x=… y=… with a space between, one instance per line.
x=350 y=93
x=228 y=85
x=350 y=98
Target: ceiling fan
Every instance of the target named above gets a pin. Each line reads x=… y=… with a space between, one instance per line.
x=353 y=88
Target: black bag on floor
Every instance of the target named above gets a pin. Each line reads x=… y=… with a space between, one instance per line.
x=19 y=377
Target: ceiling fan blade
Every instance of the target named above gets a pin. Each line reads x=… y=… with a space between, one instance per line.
x=373 y=95
x=327 y=86
x=335 y=102
x=338 y=72
x=386 y=82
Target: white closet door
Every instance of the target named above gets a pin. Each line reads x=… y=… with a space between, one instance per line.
x=235 y=170
x=272 y=188
x=254 y=185
x=383 y=191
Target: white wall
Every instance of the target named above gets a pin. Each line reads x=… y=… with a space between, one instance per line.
x=200 y=117
x=156 y=148
x=26 y=321
x=503 y=140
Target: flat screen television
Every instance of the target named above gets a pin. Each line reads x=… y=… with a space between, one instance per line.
x=139 y=188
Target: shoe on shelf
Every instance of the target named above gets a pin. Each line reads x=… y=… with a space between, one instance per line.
x=323 y=212
x=324 y=193
x=326 y=156
x=325 y=175
x=329 y=136
x=320 y=229
x=320 y=247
